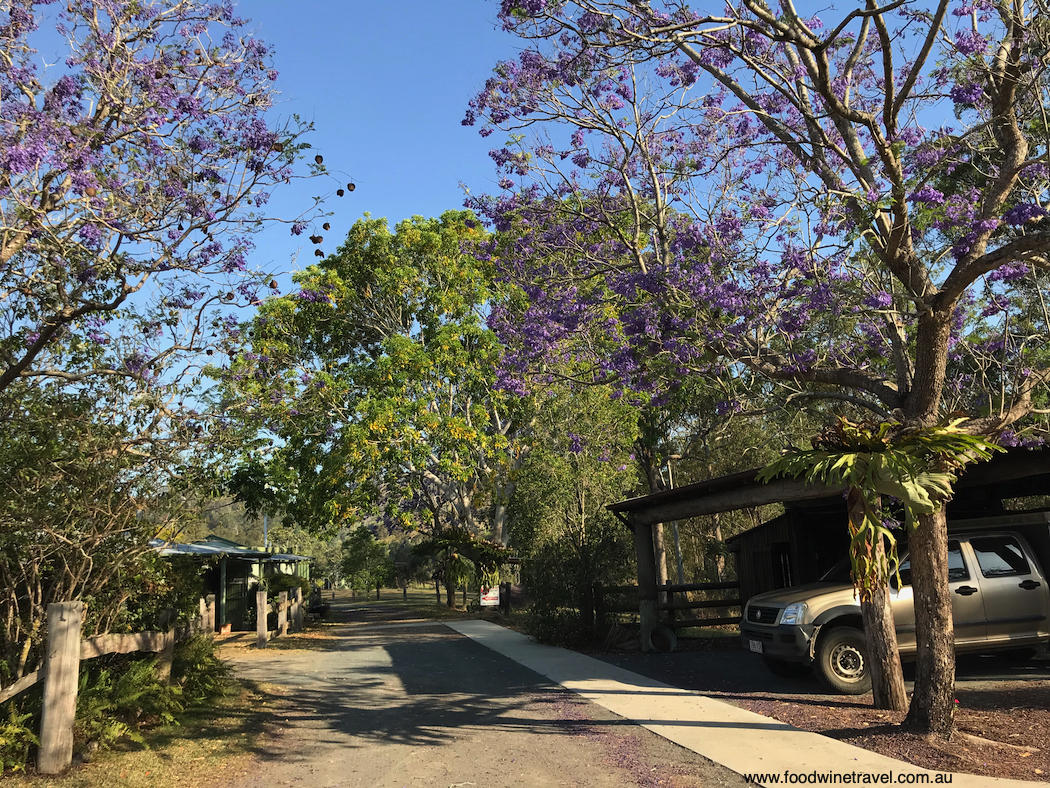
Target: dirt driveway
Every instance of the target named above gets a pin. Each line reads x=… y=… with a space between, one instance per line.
x=419 y=705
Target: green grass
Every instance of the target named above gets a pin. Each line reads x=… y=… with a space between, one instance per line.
x=211 y=742
x=421 y=601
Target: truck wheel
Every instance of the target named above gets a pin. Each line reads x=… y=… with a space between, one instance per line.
x=785 y=669
x=842 y=661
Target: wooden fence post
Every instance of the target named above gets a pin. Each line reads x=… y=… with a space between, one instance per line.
x=282 y=614
x=297 y=610
x=261 y=609
x=599 y=607
x=60 y=686
x=166 y=621
x=210 y=624
x=648 y=607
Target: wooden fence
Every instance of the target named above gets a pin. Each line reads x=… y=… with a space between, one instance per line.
x=61 y=670
x=282 y=607
x=671 y=605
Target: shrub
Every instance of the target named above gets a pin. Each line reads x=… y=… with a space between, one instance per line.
x=560 y=575
x=16 y=738
x=117 y=695
x=201 y=675
x=556 y=628
x=275 y=584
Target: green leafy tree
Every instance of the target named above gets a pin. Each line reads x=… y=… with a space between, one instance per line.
x=568 y=541
x=462 y=558
x=376 y=381
x=85 y=485
x=366 y=563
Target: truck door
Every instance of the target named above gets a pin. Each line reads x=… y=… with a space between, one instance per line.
x=967 y=604
x=1015 y=597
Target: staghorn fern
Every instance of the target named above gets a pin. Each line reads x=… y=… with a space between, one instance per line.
x=915 y=465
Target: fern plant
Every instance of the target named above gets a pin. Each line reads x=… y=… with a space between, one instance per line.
x=917 y=466
x=16 y=738
x=111 y=703
x=201 y=675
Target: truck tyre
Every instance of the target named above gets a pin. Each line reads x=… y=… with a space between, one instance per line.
x=842 y=661
x=785 y=669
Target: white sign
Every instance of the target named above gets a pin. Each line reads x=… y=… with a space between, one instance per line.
x=490 y=597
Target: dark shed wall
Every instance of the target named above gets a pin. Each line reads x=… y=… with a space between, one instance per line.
x=760 y=558
x=795 y=548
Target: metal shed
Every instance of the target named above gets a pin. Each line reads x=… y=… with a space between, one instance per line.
x=232 y=568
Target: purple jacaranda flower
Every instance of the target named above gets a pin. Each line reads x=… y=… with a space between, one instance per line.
x=966 y=93
x=927 y=194
x=970 y=42
x=1024 y=213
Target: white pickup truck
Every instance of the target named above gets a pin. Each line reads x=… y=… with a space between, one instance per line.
x=1000 y=601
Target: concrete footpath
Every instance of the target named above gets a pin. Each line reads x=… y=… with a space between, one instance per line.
x=735 y=738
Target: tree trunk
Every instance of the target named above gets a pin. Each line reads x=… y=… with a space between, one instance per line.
x=587 y=618
x=720 y=559
x=933 y=702
x=661 y=558
x=887 y=678
x=884 y=661
x=450 y=595
x=500 y=532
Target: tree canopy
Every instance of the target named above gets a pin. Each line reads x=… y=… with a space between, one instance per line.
x=844 y=207
x=376 y=378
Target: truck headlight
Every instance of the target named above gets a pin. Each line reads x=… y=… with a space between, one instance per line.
x=793 y=614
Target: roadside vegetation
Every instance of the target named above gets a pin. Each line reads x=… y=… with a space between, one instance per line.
x=124 y=706
x=717 y=253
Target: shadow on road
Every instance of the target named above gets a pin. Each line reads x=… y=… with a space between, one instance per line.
x=405 y=687
x=737 y=672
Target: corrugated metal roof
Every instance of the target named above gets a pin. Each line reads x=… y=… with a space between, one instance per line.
x=217 y=547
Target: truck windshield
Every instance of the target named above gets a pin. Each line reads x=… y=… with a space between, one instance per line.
x=839 y=573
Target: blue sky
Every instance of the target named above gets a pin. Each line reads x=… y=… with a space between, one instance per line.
x=386 y=85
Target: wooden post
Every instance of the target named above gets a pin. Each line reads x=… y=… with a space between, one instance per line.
x=166 y=620
x=297 y=610
x=260 y=619
x=647 y=607
x=60 y=686
x=504 y=598
x=222 y=592
x=282 y=614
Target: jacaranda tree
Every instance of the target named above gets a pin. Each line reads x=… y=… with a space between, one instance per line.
x=134 y=170
x=845 y=206
x=133 y=173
